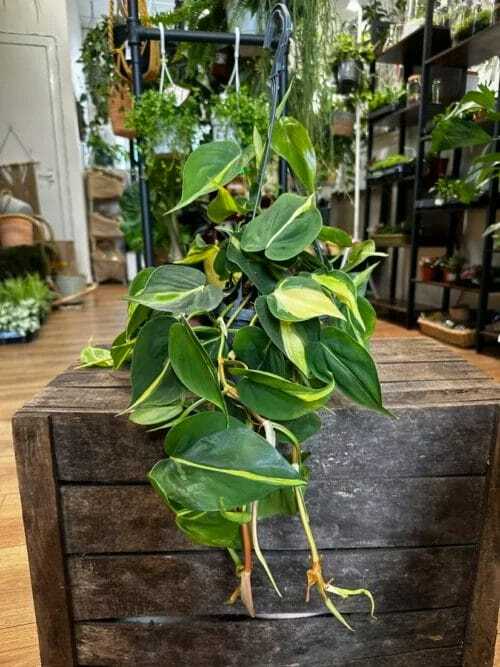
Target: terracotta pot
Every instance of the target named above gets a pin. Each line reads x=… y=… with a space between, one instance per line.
x=427 y=273
x=16 y=230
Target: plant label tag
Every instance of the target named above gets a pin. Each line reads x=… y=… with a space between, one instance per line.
x=128 y=52
x=180 y=94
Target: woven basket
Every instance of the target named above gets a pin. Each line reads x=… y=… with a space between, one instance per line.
x=120 y=103
x=103 y=184
x=461 y=338
x=104 y=228
x=109 y=269
x=16 y=229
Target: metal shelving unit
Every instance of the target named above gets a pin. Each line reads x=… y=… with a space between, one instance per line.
x=430 y=47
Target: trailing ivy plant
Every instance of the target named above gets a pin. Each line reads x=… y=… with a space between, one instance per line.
x=236 y=362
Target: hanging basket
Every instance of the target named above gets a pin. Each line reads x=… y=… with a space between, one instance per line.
x=120 y=103
x=150 y=49
x=16 y=229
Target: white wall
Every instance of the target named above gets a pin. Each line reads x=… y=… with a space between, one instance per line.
x=38 y=30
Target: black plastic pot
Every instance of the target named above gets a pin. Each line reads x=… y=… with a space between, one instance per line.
x=348 y=76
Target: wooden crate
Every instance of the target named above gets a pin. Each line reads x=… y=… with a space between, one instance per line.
x=404 y=507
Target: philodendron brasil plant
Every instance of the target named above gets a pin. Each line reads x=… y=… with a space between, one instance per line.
x=239 y=401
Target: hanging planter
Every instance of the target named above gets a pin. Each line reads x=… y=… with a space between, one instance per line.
x=247 y=22
x=221 y=67
x=15 y=230
x=348 y=76
x=120 y=104
x=342 y=124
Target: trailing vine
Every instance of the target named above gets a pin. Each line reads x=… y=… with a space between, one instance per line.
x=236 y=348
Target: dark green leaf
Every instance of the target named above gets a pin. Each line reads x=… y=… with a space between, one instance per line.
x=253 y=267
x=193 y=366
x=182 y=436
x=229 y=468
x=337 y=356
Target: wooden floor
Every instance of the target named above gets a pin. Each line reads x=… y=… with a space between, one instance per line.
x=24 y=369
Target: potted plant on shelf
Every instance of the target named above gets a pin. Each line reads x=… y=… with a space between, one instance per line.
x=386 y=97
x=453 y=190
x=392 y=236
x=403 y=164
x=238 y=402
x=430 y=269
x=452 y=267
x=164 y=127
x=349 y=59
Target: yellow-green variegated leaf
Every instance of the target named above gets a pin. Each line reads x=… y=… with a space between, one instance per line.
x=292 y=142
x=95 y=356
x=179 y=290
x=343 y=287
x=284 y=229
x=198 y=251
x=295 y=345
x=210 y=167
x=300 y=298
x=223 y=206
x=276 y=398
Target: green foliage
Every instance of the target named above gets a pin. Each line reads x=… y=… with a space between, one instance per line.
x=98 y=69
x=24 y=302
x=231 y=372
x=385 y=96
x=346 y=47
x=242 y=112
x=390 y=161
x=456 y=128
x=156 y=116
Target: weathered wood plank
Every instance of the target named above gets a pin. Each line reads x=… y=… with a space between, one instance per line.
x=445 y=657
x=483 y=619
x=43 y=537
x=344 y=514
x=287 y=643
x=190 y=584
x=429 y=370
x=437 y=441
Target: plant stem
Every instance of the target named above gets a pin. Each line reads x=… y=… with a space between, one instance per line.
x=246 y=574
x=238 y=310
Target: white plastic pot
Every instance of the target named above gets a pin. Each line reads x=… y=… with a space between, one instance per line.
x=223 y=130
x=247 y=22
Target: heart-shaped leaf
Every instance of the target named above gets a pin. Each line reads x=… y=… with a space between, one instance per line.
x=343 y=287
x=210 y=167
x=226 y=469
x=182 y=436
x=336 y=236
x=292 y=142
x=223 y=206
x=209 y=528
x=252 y=266
x=178 y=289
x=154 y=383
x=193 y=366
x=339 y=357
x=360 y=252
x=300 y=298
x=284 y=229
x=95 y=356
x=277 y=398
x=254 y=348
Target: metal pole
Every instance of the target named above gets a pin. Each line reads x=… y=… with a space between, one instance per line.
x=134 y=44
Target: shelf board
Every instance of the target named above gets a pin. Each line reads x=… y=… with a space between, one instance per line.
x=409 y=49
x=410 y=113
x=387 y=110
x=398 y=306
x=397 y=173
x=495 y=289
x=472 y=51
x=430 y=205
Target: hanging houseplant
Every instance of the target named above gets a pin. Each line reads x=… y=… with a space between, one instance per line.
x=163 y=126
x=349 y=59
x=238 y=404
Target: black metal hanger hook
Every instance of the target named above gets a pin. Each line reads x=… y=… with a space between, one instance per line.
x=278 y=32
